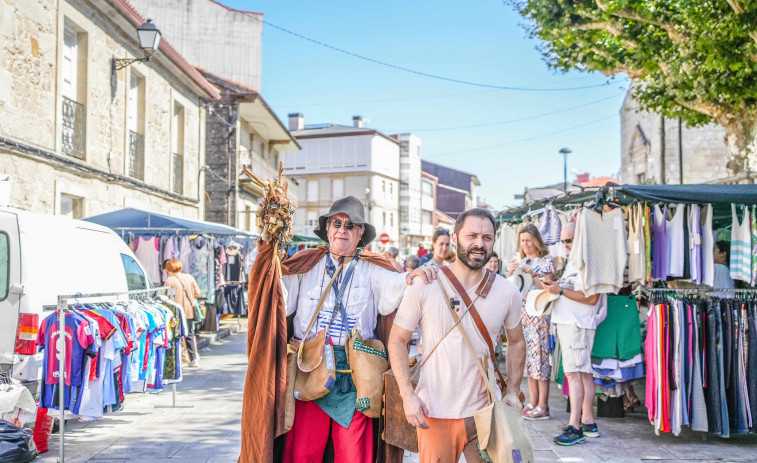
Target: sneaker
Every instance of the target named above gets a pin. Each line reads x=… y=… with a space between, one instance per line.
x=194 y=363
x=590 y=430
x=570 y=436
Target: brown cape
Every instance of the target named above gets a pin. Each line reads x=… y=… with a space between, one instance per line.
x=264 y=397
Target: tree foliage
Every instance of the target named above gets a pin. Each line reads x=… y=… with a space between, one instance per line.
x=696 y=59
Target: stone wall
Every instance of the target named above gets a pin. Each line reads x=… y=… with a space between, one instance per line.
x=30 y=112
x=221 y=142
x=704 y=153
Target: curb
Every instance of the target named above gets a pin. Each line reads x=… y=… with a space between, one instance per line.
x=207 y=338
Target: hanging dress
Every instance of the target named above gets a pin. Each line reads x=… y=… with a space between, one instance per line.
x=708 y=245
x=636 y=260
x=674 y=231
x=741 y=247
x=695 y=244
x=659 y=243
x=148 y=253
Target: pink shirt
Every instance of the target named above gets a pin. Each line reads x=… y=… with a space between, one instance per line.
x=450 y=383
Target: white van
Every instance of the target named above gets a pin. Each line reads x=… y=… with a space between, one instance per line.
x=41 y=257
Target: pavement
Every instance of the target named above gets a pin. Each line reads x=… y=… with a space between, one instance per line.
x=210 y=430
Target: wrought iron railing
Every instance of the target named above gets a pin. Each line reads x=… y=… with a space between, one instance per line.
x=136 y=155
x=74 y=128
x=177 y=169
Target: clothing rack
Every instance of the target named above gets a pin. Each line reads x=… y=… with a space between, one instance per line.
x=63 y=302
x=702 y=290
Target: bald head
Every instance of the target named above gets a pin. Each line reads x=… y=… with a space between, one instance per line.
x=566 y=235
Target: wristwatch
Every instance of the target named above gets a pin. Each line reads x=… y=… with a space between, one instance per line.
x=561 y=290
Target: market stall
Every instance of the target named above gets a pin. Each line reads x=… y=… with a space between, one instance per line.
x=652 y=247
x=219 y=257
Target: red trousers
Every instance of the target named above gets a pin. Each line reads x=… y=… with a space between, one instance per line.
x=306 y=441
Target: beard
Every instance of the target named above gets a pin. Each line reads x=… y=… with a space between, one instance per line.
x=464 y=254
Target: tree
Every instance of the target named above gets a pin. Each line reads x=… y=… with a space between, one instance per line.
x=696 y=59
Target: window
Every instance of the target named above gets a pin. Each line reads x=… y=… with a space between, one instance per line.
x=135 y=126
x=312 y=190
x=391 y=219
x=337 y=189
x=248 y=218
x=71 y=206
x=404 y=215
x=73 y=114
x=383 y=215
x=426 y=217
x=4 y=265
x=391 y=190
x=427 y=188
x=177 y=142
x=135 y=277
x=383 y=187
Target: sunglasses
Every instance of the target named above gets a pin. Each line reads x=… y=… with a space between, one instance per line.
x=337 y=223
x=568 y=241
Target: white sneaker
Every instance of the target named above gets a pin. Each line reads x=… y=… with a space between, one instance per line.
x=194 y=363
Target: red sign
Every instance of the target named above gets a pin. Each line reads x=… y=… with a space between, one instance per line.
x=384 y=238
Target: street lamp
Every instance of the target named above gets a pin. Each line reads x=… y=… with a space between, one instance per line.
x=149 y=40
x=565 y=152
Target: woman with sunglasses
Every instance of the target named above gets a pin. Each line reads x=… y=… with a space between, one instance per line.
x=534 y=259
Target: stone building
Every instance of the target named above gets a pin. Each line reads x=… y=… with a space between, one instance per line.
x=242 y=130
x=338 y=161
x=79 y=137
x=456 y=189
x=654 y=148
x=222 y=40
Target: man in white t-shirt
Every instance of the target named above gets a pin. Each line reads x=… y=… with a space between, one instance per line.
x=451 y=388
x=576 y=317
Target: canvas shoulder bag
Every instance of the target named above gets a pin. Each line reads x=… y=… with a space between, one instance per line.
x=501 y=430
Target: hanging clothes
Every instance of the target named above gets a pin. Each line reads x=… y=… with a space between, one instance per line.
x=659 y=241
x=675 y=234
x=708 y=245
x=741 y=246
x=600 y=250
x=147 y=251
x=694 y=228
x=637 y=264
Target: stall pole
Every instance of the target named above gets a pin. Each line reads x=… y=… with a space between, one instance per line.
x=61 y=345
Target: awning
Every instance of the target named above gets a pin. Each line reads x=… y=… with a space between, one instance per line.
x=720 y=196
x=138 y=222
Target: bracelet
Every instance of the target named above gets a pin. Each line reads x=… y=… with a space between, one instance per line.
x=561 y=290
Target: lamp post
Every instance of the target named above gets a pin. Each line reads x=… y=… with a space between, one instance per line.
x=565 y=152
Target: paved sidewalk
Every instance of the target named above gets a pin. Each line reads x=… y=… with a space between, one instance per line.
x=208 y=432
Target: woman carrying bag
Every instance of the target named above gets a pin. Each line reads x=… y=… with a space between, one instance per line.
x=187 y=292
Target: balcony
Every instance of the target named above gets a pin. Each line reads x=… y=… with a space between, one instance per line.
x=136 y=155
x=73 y=128
x=177 y=173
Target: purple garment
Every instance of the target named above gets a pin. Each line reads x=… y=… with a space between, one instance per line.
x=695 y=244
x=659 y=242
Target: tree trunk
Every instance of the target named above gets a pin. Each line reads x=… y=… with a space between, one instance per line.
x=741 y=142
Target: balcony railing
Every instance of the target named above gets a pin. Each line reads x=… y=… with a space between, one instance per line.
x=136 y=155
x=177 y=180
x=74 y=128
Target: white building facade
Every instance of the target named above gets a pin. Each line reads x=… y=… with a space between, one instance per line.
x=410 y=216
x=338 y=161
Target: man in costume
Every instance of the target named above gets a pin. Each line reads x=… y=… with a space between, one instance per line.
x=451 y=388
x=366 y=289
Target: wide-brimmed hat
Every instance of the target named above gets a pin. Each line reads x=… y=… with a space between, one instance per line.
x=540 y=302
x=355 y=211
x=523 y=281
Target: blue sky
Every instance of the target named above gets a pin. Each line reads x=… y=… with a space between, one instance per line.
x=480 y=42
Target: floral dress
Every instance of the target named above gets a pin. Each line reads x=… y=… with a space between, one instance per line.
x=536 y=329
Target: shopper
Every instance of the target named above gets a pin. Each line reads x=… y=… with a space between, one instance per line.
x=391 y=255
x=535 y=260
x=439 y=249
x=493 y=263
x=187 y=291
x=411 y=263
x=450 y=388
x=722 y=257
x=576 y=318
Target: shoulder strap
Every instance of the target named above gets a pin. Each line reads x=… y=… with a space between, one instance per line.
x=322 y=300
x=483 y=289
x=182 y=287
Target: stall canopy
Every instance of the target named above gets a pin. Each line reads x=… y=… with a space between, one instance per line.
x=140 y=222
x=720 y=196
